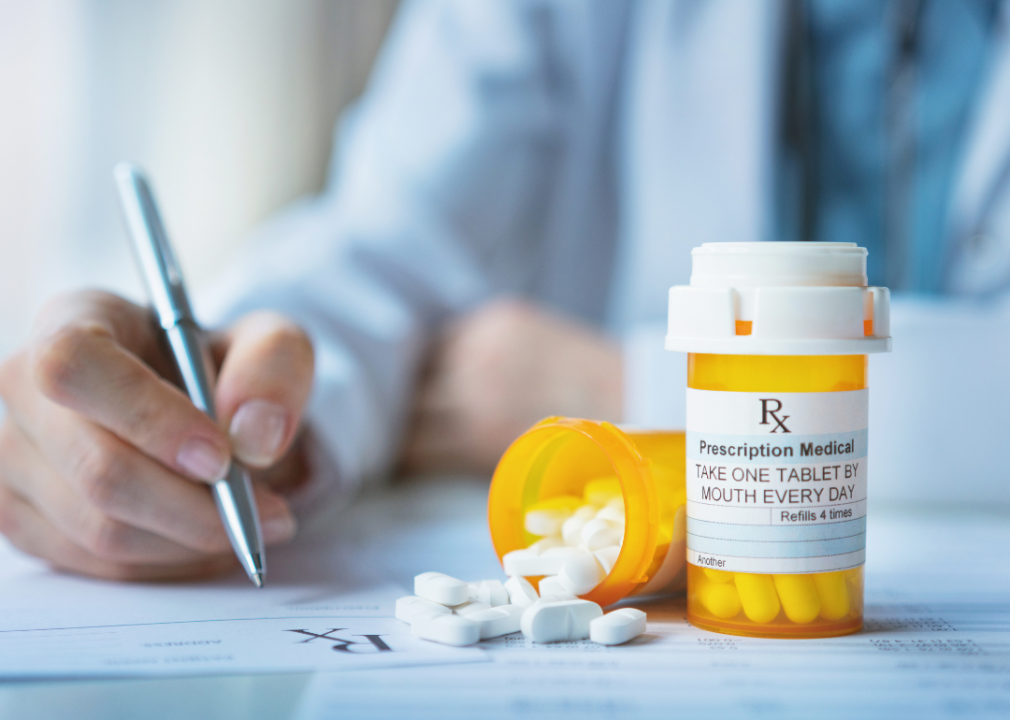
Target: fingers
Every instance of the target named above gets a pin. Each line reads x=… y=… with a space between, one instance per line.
x=123 y=483
x=30 y=532
x=263 y=385
x=98 y=452
x=84 y=364
x=127 y=523
x=109 y=523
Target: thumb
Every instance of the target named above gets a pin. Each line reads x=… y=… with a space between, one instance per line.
x=263 y=385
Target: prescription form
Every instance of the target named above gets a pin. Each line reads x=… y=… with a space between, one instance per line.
x=936 y=643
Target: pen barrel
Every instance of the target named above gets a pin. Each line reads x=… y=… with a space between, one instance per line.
x=193 y=362
x=233 y=493
x=236 y=504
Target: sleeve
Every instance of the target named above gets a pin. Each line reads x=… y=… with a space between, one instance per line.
x=434 y=176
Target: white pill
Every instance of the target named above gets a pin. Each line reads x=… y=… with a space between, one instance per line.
x=563 y=553
x=545 y=522
x=470 y=607
x=581 y=574
x=601 y=533
x=545 y=544
x=528 y=563
x=521 y=591
x=491 y=592
x=611 y=513
x=447 y=629
x=586 y=512
x=571 y=529
x=580 y=614
x=497 y=621
x=408 y=608
x=560 y=596
x=559 y=621
x=441 y=588
x=551 y=585
x=607 y=557
x=617 y=627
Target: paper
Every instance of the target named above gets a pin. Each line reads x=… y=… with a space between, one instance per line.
x=936 y=644
x=220 y=646
x=307 y=618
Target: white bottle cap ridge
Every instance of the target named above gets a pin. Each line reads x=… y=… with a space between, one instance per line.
x=800 y=298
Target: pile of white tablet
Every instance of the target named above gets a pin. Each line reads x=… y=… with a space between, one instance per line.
x=455 y=612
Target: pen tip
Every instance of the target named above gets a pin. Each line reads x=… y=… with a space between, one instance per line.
x=257 y=579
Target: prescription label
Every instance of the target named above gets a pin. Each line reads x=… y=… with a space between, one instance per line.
x=776 y=482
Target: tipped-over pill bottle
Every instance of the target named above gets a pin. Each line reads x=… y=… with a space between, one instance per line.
x=777 y=336
x=571 y=488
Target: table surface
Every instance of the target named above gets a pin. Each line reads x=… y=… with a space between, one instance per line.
x=938 y=610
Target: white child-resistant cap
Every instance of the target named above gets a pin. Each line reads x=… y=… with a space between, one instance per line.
x=779 y=298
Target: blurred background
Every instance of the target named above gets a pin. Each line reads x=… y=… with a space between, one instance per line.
x=229 y=104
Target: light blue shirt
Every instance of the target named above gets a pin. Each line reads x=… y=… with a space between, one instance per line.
x=572 y=153
x=856 y=56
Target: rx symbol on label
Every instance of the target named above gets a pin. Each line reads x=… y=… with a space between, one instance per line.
x=773 y=412
x=372 y=643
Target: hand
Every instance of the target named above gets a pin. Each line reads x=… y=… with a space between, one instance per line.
x=497 y=371
x=104 y=463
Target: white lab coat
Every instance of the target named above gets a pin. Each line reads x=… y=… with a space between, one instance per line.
x=573 y=153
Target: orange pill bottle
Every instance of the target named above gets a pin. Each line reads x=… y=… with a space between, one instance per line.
x=570 y=463
x=777 y=336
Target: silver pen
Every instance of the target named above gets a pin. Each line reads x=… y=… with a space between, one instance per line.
x=233 y=493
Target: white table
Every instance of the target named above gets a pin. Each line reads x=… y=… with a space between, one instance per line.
x=936 y=644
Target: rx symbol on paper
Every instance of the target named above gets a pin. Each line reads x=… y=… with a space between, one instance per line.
x=372 y=643
x=768 y=411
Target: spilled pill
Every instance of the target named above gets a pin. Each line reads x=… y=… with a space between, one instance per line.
x=617 y=627
x=529 y=563
x=521 y=591
x=472 y=606
x=581 y=574
x=497 y=621
x=551 y=585
x=492 y=592
x=554 y=598
x=407 y=608
x=441 y=588
x=559 y=621
x=446 y=629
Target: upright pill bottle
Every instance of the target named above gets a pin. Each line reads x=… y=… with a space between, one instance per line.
x=777 y=336
x=590 y=462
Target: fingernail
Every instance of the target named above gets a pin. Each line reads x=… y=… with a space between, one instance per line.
x=202 y=459
x=279 y=528
x=257 y=431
